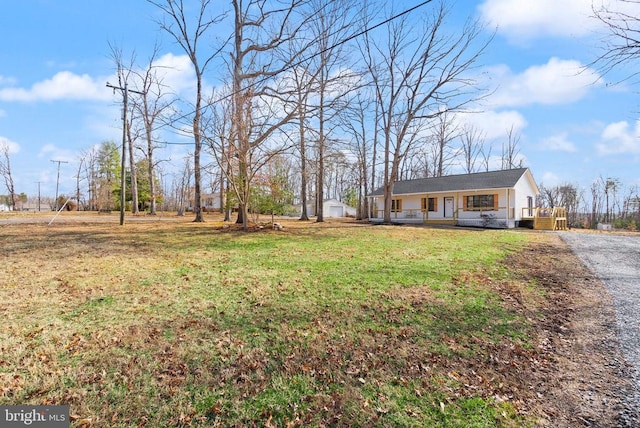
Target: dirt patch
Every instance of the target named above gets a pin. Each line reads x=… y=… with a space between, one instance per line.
x=585 y=381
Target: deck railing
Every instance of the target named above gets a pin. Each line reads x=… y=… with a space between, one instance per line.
x=411 y=214
x=545 y=218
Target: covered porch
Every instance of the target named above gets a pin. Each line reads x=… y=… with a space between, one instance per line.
x=502 y=218
x=412 y=216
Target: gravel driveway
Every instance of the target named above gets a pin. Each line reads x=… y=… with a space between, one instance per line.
x=615 y=259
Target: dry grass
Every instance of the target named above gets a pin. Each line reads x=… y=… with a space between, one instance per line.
x=165 y=322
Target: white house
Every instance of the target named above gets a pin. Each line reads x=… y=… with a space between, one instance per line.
x=496 y=199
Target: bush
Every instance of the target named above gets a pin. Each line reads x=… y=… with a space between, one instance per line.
x=627 y=223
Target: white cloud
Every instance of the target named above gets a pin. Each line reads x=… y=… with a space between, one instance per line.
x=13 y=146
x=494 y=124
x=550 y=179
x=524 y=20
x=51 y=151
x=556 y=82
x=521 y=20
x=619 y=138
x=63 y=85
x=7 y=81
x=558 y=143
x=176 y=73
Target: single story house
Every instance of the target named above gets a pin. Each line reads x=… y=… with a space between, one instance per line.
x=495 y=199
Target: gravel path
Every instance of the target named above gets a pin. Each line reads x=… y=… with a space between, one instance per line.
x=615 y=259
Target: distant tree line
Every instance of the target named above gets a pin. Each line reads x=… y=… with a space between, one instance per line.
x=606 y=201
x=317 y=99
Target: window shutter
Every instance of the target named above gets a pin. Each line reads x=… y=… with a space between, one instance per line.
x=495 y=202
x=435 y=204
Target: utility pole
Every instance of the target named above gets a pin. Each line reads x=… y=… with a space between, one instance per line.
x=58 y=179
x=38 y=196
x=125 y=95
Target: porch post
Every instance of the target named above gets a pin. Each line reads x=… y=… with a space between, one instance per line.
x=427 y=206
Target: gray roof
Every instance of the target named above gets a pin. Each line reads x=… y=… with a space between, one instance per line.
x=504 y=179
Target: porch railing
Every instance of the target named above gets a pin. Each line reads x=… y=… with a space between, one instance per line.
x=546 y=218
x=416 y=214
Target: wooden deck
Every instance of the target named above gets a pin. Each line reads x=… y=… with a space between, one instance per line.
x=546 y=218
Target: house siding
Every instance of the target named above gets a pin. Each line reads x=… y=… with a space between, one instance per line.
x=506 y=212
x=523 y=191
x=491 y=217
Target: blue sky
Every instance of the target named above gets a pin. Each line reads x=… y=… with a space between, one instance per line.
x=574 y=124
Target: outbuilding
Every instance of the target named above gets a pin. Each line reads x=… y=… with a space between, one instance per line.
x=332 y=208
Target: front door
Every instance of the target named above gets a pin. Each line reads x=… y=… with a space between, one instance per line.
x=448 y=208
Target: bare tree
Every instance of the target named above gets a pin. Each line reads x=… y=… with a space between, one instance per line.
x=610 y=187
x=550 y=196
x=178 y=25
x=5 y=171
x=330 y=25
x=79 y=179
x=124 y=72
x=91 y=172
x=621 y=47
x=133 y=169
x=151 y=105
x=420 y=163
x=261 y=104
x=356 y=121
x=570 y=197
x=472 y=141
x=485 y=153
x=419 y=74
x=631 y=202
x=445 y=133
x=511 y=150
x=302 y=81
x=218 y=136
x=182 y=185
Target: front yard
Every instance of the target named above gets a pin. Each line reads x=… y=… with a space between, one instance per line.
x=338 y=324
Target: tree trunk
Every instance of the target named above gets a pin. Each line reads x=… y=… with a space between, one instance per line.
x=320 y=176
x=302 y=98
x=197 y=138
x=152 y=184
x=134 y=175
x=303 y=170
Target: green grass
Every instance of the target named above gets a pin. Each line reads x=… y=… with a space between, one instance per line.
x=186 y=325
